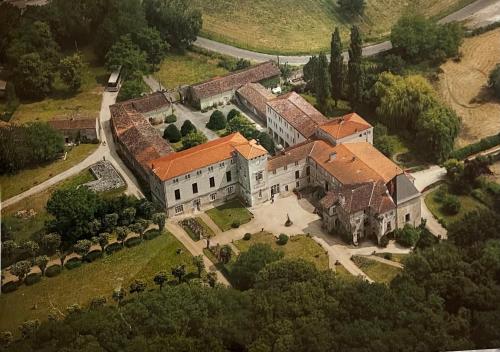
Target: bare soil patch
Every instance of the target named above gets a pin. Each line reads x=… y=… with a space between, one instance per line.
x=463 y=86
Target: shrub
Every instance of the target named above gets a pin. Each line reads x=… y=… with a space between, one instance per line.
x=217 y=121
x=233 y=113
x=451 y=205
x=407 y=236
x=247 y=236
x=132 y=242
x=187 y=127
x=151 y=234
x=73 y=263
x=235 y=224
x=93 y=255
x=388 y=256
x=10 y=286
x=384 y=241
x=483 y=144
x=282 y=239
x=53 y=270
x=32 y=278
x=113 y=247
x=172 y=134
x=171 y=118
x=440 y=194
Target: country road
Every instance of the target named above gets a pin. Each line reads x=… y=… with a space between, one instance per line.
x=476 y=14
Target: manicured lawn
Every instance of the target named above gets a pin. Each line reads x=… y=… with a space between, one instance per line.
x=342 y=273
x=291 y=26
x=342 y=108
x=227 y=213
x=376 y=271
x=61 y=102
x=27 y=228
x=468 y=204
x=298 y=247
x=12 y=185
x=99 y=278
x=177 y=70
x=395 y=257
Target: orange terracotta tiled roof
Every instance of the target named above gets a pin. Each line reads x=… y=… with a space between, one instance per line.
x=203 y=155
x=257 y=95
x=345 y=126
x=235 y=80
x=73 y=124
x=299 y=113
x=290 y=155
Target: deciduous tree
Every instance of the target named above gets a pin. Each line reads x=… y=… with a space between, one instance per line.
x=71 y=71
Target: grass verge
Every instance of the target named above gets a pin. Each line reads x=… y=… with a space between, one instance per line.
x=228 y=213
x=375 y=270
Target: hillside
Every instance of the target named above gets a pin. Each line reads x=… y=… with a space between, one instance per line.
x=293 y=26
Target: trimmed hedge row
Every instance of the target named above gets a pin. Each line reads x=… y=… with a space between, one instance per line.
x=73 y=263
x=10 y=286
x=53 y=270
x=93 y=255
x=113 y=247
x=151 y=234
x=483 y=144
x=132 y=242
x=32 y=278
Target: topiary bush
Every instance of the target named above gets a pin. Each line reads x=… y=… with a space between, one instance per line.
x=32 y=278
x=10 y=286
x=451 y=205
x=232 y=114
x=53 y=270
x=93 y=255
x=172 y=134
x=132 y=242
x=384 y=241
x=151 y=234
x=247 y=236
x=171 y=118
x=282 y=239
x=113 y=247
x=73 y=263
x=217 y=121
x=235 y=224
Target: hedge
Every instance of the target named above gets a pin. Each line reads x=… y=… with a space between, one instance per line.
x=93 y=255
x=113 y=247
x=171 y=118
x=483 y=144
x=73 y=263
x=10 y=286
x=53 y=270
x=151 y=234
x=134 y=241
x=32 y=278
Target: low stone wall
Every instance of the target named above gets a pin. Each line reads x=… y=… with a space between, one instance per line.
x=107 y=178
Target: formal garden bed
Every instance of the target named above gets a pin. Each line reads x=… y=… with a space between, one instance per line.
x=229 y=215
x=375 y=270
x=196 y=228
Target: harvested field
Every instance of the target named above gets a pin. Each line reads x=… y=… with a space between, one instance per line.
x=463 y=86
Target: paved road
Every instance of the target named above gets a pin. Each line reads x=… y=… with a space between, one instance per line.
x=480 y=12
x=107 y=151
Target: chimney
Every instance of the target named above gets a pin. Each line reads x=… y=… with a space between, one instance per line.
x=333 y=156
x=353 y=159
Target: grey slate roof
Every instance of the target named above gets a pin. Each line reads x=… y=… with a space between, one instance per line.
x=402 y=189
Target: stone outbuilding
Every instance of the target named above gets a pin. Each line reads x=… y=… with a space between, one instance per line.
x=75 y=130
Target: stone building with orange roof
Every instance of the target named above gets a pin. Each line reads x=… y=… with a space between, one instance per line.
x=349 y=128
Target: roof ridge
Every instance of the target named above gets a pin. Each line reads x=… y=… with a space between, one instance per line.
x=368 y=166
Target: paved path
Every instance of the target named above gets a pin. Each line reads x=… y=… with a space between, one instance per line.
x=480 y=12
x=107 y=150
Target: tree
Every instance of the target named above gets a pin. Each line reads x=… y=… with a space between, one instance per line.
x=474 y=228
x=118 y=295
x=62 y=256
x=355 y=72
x=160 y=279
x=494 y=80
x=42 y=262
x=179 y=272
x=71 y=71
x=72 y=210
x=199 y=264
x=352 y=7
x=111 y=221
x=82 y=247
x=336 y=67
x=323 y=82
x=150 y=41
x=29 y=327
x=10 y=17
x=146 y=208
x=309 y=71
x=266 y=141
x=136 y=228
x=242 y=125
x=217 y=121
x=21 y=269
x=103 y=240
x=132 y=89
x=33 y=76
x=407 y=236
x=94 y=227
x=451 y=205
x=9 y=248
x=232 y=114
x=128 y=56
x=249 y=263
x=172 y=133
x=159 y=219
x=31 y=247
x=121 y=234
x=187 y=127
x=177 y=20
x=6 y=337
x=128 y=216
x=192 y=139
x=137 y=286
x=212 y=278
x=51 y=242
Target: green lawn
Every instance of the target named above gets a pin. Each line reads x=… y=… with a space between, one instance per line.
x=229 y=212
x=375 y=270
x=99 y=278
x=177 y=70
x=468 y=204
x=64 y=103
x=395 y=257
x=12 y=185
x=292 y=27
x=298 y=247
x=342 y=273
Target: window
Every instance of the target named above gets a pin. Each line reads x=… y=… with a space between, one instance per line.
x=296 y=163
x=230 y=190
x=308 y=170
x=177 y=193
x=195 y=188
x=213 y=197
x=233 y=161
x=176 y=180
x=274 y=172
x=297 y=184
x=260 y=194
x=199 y=172
x=297 y=174
x=286 y=188
x=212 y=182
x=187 y=177
x=407 y=217
x=259 y=176
x=228 y=176
x=221 y=164
x=210 y=168
x=285 y=167
x=179 y=209
x=389 y=226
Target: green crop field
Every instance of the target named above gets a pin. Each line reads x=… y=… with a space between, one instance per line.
x=293 y=26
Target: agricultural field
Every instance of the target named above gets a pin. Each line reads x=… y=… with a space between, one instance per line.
x=296 y=27
x=463 y=86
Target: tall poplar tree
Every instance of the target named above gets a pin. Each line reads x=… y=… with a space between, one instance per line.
x=336 y=66
x=322 y=81
x=355 y=72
